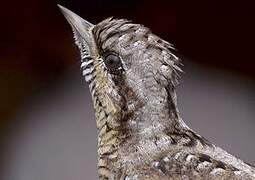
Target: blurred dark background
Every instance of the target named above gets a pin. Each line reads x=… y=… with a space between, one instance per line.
x=42 y=91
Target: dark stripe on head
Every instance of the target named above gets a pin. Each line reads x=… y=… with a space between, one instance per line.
x=204 y=157
x=221 y=165
x=201 y=139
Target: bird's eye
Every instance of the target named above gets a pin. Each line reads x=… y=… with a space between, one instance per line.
x=112 y=62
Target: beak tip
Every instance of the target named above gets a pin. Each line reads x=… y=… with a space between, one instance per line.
x=74 y=20
x=62 y=9
x=69 y=15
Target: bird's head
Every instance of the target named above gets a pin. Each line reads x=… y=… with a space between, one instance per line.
x=126 y=66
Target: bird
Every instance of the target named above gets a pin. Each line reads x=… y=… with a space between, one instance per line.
x=132 y=76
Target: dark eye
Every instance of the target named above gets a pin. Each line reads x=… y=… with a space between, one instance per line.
x=112 y=62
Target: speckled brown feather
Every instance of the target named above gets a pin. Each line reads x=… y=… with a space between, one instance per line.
x=141 y=135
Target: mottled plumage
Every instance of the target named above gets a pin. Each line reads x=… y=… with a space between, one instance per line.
x=132 y=75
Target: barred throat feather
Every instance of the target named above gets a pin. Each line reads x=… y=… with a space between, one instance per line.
x=88 y=71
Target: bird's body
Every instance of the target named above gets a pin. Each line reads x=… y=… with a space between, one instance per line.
x=132 y=75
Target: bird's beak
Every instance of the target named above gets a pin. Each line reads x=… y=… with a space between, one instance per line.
x=79 y=25
x=82 y=30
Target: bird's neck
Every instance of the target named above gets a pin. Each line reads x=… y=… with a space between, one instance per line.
x=111 y=135
x=141 y=131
